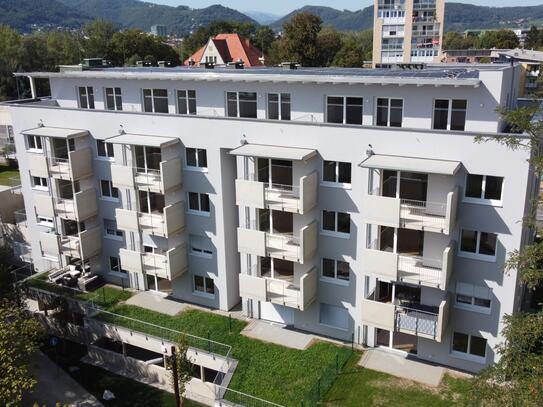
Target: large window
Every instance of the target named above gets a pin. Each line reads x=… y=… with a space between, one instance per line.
x=336 y=222
x=241 y=104
x=279 y=106
x=155 y=100
x=111 y=231
x=86 y=97
x=114 y=99
x=389 y=112
x=201 y=246
x=108 y=190
x=196 y=158
x=344 y=110
x=336 y=172
x=465 y=344
x=40 y=183
x=483 y=188
x=204 y=285
x=104 y=149
x=34 y=143
x=450 y=114
x=473 y=298
x=477 y=244
x=186 y=102
x=199 y=203
x=334 y=316
x=115 y=265
x=335 y=270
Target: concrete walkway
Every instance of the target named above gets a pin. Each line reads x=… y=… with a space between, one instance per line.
x=155 y=302
x=404 y=367
x=55 y=385
x=278 y=334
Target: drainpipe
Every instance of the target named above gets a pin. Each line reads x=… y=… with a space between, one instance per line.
x=32 y=87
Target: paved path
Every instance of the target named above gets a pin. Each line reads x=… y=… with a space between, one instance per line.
x=155 y=302
x=406 y=368
x=267 y=332
x=55 y=385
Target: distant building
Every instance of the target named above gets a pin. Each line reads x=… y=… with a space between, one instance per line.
x=407 y=31
x=159 y=30
x=521 y=33
x=470 y=56
x=227 y=48
x=531 y=62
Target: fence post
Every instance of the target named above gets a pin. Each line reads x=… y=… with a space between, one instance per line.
x=318 y=390
x=104 y=294
x=352 y=341
x=337 y=363
x=229 y=322
x=209 y=341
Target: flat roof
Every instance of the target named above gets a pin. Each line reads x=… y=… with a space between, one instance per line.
x=142 y=140
x=275 y=152
x=393 y=162
x=438 y=75
x=57 y=132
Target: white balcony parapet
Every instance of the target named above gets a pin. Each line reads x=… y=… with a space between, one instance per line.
x=280 y=291
x=166 y=178
x=282 y=246
x=165 y=224
x=83 y=205
x=78 y=165
x=169 y=265
x=83 y=245
x=288 y=198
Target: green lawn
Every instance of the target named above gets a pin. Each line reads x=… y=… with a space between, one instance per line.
x=264 y=370
x=357 y=386
x=6 y=175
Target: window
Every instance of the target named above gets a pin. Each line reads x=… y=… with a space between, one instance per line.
x=241 y=104
x=204 y=285
x=104 y=149
x=199 y=202
x=155 y=100
x=481 y=188
x=478 y=244
x=201 y=246
x=111 y=231
x=115 y=265
x=186 y=102
x=336 y=317
x=279 y=106
x=336 y=172
x=450 y=114
x=336 y=222
x=40 y=183
x=108 y=190
x=473 y=298
x=469 y=345
x=335 y=270
x=86 y=97
x=45 y=221
x=344 y=110
x=114 y=100
x=34 y=143
x=196 y=157
x=389 y=112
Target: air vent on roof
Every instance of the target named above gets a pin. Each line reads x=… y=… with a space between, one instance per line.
x=164 y=64
x=290 y=65
x=237 y=65
x=143 y=64
x=209 y=65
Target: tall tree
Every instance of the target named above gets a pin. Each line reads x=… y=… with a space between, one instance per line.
x=532 y=38
x=501 y=39
x=299 y=43
x=355 y=49
x=183 y=367
x=329 y=41
x=98 y=35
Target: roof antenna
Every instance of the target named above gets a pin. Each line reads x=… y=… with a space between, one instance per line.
x=369 y=151
x=121 y=130
x=40 y=123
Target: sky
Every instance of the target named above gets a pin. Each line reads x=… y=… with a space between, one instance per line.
x=282 y=7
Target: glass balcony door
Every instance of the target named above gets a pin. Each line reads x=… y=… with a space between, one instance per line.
x=404 y=185
x=276 y=174
x=147 y=159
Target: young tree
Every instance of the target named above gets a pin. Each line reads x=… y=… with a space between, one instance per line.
x=181 y=367
x=517 y=378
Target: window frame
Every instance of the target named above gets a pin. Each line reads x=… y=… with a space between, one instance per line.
x=198 y=167
x=336 y=183
x=279 y=106
x=88 y=100
x=36 y=140
x=187 y=102
x=117 y=104
x=118 y=269
x=238 y=112
x=167 y=97
x=109 y=197
x=41 y=185
x=344 y=121
x=344 y=310
x=335 y=232
x=335 y=279
x=449 y=113
x=389 y=98
x=198 y=211
x=482 y=200
x=45 y=221
x=467 y=355
x=476 y=255
x=200 y=252
x=206 y=280
x=107 y=147
x=472 y=306
x=117 y=235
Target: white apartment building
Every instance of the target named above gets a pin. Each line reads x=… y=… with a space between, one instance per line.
x=407 y=31
x=349 y=203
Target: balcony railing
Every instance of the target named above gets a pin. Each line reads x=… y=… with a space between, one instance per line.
x=165 y=224
x=77 y=165
x=424 y=4
x=83 y=245
x=426 y=33
x=167 y=177
x=83 y=205
x=417 y=321
x=423 y=214
x=169 y=265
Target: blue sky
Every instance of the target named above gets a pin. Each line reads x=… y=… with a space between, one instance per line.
x=286 y=6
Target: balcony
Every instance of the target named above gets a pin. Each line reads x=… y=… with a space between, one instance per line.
x=428 y=272
x=83 y=245
x=165 y=224
x=77 y=165
x=288 y=198
x=416 y=319
x=280 y=246
x=426 y=33
x=281 y=292
x=424 y=5
x=170 y=265
x=166 y=178
x=82 y=206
